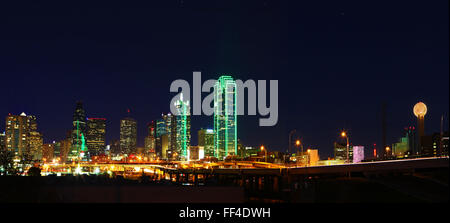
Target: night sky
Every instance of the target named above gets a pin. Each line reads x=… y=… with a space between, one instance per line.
x=336 y=62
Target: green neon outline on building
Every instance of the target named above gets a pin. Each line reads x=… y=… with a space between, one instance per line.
x=224 y=123
x=183 y=129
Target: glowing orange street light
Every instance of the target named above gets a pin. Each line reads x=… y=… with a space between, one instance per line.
x=297 y=143
x=344 y=134
x=265 y=150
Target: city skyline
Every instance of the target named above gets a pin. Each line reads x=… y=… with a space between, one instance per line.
x=335 y=69
x=225 y=110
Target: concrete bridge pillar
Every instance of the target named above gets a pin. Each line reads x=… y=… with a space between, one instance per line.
x=186 y=177
x=177 y=177
x=276 y=182
x=196 y=179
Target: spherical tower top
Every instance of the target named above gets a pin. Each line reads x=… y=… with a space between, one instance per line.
x=420 y=109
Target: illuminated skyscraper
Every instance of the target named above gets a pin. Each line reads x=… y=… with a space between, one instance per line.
x=225 y=117
x=114 y=147
x=35 y=139
x=16 y=133
x=150 y=142
x=47 y=152
x=183 y=129
x=166 y=126
x=206 y=140
x=128 y=135
x=78 y=150
x=21 y=136
x=95 y=136
x=2 y=140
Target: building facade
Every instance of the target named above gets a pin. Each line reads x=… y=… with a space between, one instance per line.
x=96 y=136
x=78 y=146
x=225 y=117
x=340 y=152
x=358 y=154
x=150 y=142
x=22 y=137
x=206 y=140
x=128 y=135
x=48 y=152
x=182 y=130
x=2 y=140
x=16 y=133
x=165 y=126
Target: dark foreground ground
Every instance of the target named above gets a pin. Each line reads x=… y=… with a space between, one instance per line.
x=421 y=187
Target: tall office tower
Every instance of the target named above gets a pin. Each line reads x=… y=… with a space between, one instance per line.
x=36 y=142
x=79 y=149
x=17 y=134
x=166 y=126
x=35 y=139
x=149 y=143
x=183 y=129
x=47 y=152
x=206 y=139
x=96 y=136
x=165 y=146
x=65 y=146
x=2 y=140
x=57 y=150
x=114 y=147
x=160 y=131
x=128 y=135
x=225 y=117
x=172 y=134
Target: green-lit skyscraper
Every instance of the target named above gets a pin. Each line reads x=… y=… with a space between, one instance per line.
x=183 y=129
x=225 y=117
x=78 y=149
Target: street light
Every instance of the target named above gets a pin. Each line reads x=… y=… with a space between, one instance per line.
x=387 y=150
x=299 y=143
x=265 y=150
x=345 y=135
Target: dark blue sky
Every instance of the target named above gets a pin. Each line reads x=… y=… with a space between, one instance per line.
x=336 y=62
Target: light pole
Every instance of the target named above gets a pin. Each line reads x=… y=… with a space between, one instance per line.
x=299 y=143
x=344 y=134
x=265 y=150
x=388 y=149
x=309 y=154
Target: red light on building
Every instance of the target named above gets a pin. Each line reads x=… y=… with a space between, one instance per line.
x=97 y=119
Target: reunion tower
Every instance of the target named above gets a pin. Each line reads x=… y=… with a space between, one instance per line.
x=420 y=110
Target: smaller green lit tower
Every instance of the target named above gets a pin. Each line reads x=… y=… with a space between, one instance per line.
x=183 y=129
